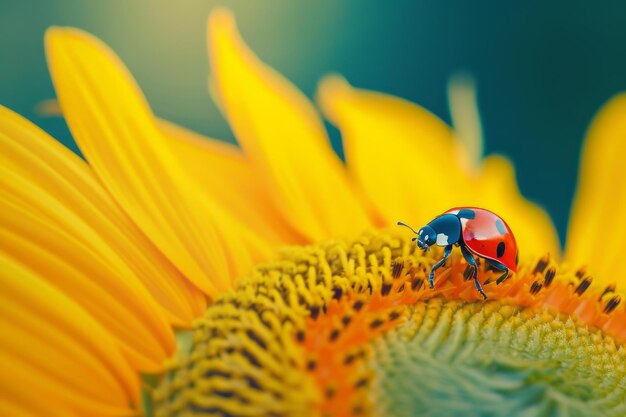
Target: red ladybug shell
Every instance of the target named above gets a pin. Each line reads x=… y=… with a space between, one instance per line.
x=487 y=235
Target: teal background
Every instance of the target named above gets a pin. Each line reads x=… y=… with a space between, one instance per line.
x=542 y=68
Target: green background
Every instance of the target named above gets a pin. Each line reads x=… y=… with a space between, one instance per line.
x=542 y=68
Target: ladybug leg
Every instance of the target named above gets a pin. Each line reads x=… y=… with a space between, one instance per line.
x=446 y=253
x=470 y=260
x=500 y=267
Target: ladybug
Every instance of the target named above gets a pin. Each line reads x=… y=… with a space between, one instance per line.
x=478 y=232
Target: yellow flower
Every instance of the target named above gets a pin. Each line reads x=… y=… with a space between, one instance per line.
x=174 y=274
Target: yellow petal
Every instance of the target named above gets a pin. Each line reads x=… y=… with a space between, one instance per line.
x=58 y=226
x=597 y=227
x=21 y=410
x=53 y=355
x=465 y=116
x=407 y=161
x=210 y=161
x=403 y=156
x=116 y=131
x=284 y=138
x=53 y=172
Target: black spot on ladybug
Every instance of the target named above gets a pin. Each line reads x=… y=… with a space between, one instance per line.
x=500 y=249
x=466 y=214
x=500 y=226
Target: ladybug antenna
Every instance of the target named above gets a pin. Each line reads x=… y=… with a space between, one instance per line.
x=406 y=225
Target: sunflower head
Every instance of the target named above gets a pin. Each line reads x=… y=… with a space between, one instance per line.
x=134 y=282
x=349 y=328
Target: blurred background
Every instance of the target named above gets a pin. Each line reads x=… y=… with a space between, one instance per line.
x=542 y=69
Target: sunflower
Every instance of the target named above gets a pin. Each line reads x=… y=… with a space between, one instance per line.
x=172 y=274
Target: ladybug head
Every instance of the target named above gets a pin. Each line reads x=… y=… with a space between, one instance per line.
x=425 y=237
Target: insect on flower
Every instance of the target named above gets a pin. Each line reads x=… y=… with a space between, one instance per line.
x=135 y=283
x=477 y=232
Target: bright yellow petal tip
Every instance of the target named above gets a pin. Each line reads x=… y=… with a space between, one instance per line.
x=393 y=149
x=119 y=136
x=284 y=138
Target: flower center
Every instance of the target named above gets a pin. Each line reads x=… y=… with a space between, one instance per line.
x=495 y=360
x=349 y=328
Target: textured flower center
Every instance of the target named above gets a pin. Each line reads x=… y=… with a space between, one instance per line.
x=495 y=360
x=350 y=329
